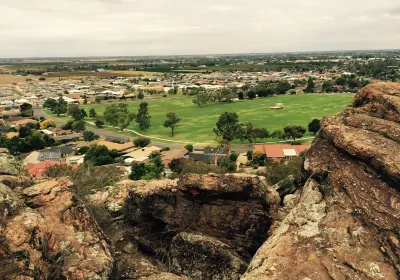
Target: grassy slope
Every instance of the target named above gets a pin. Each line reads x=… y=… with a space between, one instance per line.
x=198 y=123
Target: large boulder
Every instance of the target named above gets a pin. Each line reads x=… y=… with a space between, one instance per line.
x=47 y=233
x=233 y=207
x=346 y=223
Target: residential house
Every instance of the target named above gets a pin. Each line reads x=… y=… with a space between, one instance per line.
x=65 y=151
x=110 y=145
x=22 y=122
x=49 y=156
x=140 y=155
x=209 y=154
x=172 y=154
x=37 y=170
x=69 y=137
x=281 y=151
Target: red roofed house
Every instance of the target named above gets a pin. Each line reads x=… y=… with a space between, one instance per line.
x=22 y=122
x=37 y=169
x=281 y=151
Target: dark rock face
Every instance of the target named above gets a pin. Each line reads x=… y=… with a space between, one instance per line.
x=232 y=208
x=346 y=223
x=207 y=226
x=204 y=257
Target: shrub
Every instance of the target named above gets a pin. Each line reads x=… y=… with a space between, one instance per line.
x=141 y=142
x=233 y=157
x=189 y=148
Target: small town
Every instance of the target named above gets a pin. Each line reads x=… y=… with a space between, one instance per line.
x=199 y=140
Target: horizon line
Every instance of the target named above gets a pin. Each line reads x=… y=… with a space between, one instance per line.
x=204 y=54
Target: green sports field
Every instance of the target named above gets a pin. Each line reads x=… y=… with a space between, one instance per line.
x=197 y=123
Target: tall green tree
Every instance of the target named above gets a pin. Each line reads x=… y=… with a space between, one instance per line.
x=294 y=132
x=60 y=107
x=314 y=126
x=310 y=85
x=227 y=126
x=79 y=126
x=26 y=110
x=143 y=118
x=76 y=112
x=118 y=115
x=92 y=113
x=172 y=121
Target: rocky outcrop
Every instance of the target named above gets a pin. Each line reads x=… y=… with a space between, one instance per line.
x=233 y=208
x=46 y=233
x=8 y=164
x=202 y=226
x=204 y=257
x=345 y=224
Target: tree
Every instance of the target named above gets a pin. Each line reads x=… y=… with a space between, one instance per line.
x=99 y=155
x=241 y=95
x=176 y=165
x=26 y=110
x=143 y=117
x=293 y=132
x=228 y=165
x=250 y=132
x=138 y=171
x=189 y=148
x=314 y=126
x=172 y=121
x=283 y=87
x=110 y=113
x=227 y=126
x=24 y=131
x=310 y=85
x=97 y=99
x=140 y=95
x=118 y=115
x=201 y=98
x=75 y=112
x=92 y=113
x=251 y=94
x=47 y=123
x=60 y=107
x=89 y=136
x=50 y=103
x=79 y=126
x=83 y=113
x=99 y=122
x=68 y=125
x=277 y=134
x=233 y=157
x=13 y=145
x=327 y=86
x=141 y=142
x=35 y=141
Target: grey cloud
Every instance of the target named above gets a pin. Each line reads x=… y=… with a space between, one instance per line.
x=158 y=27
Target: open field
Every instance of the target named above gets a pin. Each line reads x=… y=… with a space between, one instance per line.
x=197 y=123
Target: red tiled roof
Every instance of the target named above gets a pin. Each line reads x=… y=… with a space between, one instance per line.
x=276 y=150
x=74 y=96
x=11 y=135
x=37 y=169
x=24 y=121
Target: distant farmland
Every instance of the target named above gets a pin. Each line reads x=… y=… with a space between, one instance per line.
x=198 y=123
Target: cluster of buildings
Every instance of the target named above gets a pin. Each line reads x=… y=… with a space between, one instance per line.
x=81 y=90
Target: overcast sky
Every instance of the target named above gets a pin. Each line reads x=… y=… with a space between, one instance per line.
x=48 y=28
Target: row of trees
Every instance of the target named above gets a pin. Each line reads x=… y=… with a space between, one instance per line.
x=229 y=128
